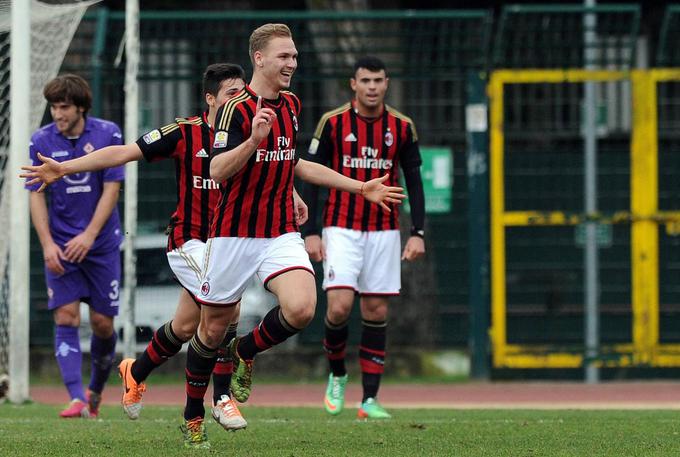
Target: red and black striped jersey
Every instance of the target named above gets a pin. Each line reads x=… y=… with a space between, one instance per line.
x=187 y=140
x=257 y=201
x=364 y=149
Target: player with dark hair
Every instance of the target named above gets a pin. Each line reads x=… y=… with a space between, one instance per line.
x=254 y=230
x=363 y=139
x=80 y=237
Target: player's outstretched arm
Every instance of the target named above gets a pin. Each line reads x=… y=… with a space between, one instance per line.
x=51 y=170
x=374 y=190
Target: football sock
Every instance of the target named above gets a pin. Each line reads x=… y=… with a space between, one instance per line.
x=103 y=351
x=224 y=367
x=162 y=346
x=200 y=363
x=334 y=344
x=271 y=331
x=69 y=359
x=372 y=356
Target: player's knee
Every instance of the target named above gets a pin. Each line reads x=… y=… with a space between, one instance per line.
x=184 y=330
x=213 y=333
x=102 y=326
x=337 y=315
x=300 y=313
x=66 y=318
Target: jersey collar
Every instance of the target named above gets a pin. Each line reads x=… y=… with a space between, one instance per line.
x=272 y=103
x=364 y=118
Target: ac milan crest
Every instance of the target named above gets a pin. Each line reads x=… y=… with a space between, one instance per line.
x=205 y=288
x=389 y=138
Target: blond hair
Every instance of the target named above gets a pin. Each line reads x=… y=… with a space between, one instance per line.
x=263 y=34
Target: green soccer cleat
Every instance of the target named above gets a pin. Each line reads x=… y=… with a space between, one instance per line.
x=334 y=400
x=371 y=409
x=242 y=378
x=194 y=434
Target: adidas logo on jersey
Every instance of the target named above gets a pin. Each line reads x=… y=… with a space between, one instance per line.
x=350 y=137
x=202 y=154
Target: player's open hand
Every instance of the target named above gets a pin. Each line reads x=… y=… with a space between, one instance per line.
x=375 y=191
x=262 y=122
x=314 y=247
x=78 y=247
x=47 y=173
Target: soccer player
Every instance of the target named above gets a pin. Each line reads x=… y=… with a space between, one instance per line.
x=80 y=237
x=254 y=230
x=187 y=142
x=360 y=251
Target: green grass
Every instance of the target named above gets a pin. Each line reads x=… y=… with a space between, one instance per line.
x=35 y=430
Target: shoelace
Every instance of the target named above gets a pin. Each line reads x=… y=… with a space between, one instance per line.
x=196 y=433
x=230 y=408
x=336 y=388
x=136 y=392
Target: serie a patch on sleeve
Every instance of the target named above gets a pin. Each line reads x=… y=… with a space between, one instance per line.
x=220 y=140
x=152 y=136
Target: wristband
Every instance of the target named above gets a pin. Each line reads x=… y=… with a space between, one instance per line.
x=417 y=232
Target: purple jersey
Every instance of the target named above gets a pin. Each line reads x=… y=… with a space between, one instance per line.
x=74 y=198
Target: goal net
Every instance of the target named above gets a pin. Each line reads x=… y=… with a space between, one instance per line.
x=52 y=28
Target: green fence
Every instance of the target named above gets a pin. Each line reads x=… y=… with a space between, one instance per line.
x=544 y=168
x=552 y=36
x=427 y=54
x=668 y=55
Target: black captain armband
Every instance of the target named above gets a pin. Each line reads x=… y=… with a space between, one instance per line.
x=417 y=232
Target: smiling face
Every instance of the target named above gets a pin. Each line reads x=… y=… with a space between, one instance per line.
x=68 y=118
x=369 y=89
x=277 y=62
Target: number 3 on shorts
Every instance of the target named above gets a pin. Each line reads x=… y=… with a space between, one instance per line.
x=113 y=295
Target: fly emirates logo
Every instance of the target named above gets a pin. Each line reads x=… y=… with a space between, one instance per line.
x=368 y=159
x=282 y=152
x=204 y=183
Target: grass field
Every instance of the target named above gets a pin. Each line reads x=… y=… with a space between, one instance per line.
x=35 y=430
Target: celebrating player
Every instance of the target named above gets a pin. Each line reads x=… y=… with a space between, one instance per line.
x=254 y=230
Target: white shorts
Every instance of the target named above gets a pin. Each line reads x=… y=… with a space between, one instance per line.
x=368 y=262
x=230 y=262
x=186 y=262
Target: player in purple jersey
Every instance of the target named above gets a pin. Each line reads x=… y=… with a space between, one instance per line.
x=80 y=237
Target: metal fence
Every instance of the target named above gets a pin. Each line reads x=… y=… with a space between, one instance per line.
x=429 y=54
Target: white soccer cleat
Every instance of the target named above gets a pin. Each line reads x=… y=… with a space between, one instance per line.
x=226 y=413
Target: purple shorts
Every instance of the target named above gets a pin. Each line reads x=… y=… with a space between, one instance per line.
x=96 y=281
